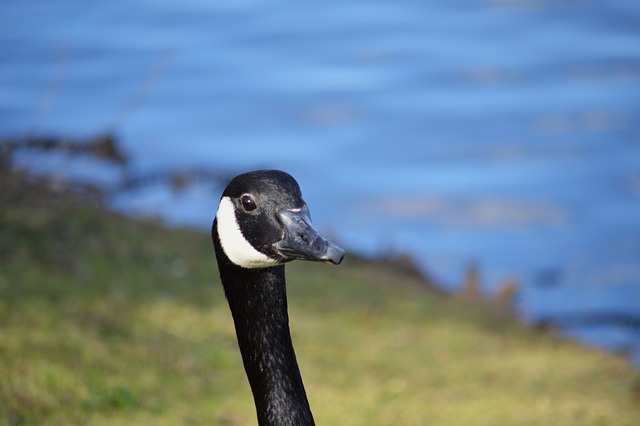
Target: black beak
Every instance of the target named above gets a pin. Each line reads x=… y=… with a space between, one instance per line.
x=302 y=241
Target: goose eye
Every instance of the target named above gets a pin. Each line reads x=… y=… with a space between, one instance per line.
x=248 y=203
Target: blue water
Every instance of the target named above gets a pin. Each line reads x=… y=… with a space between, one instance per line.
x=502 y=133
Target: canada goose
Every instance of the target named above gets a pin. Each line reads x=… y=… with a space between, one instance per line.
x=262 y=222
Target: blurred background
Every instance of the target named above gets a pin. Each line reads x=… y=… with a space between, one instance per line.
x=492 y=140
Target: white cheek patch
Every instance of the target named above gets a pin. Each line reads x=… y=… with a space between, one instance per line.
x=234 y=244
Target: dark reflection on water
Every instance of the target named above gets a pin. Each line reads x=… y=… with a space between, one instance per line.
x=500 y=132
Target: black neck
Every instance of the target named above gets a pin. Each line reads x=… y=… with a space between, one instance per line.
x=258 y=302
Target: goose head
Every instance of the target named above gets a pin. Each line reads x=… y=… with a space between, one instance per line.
x=263 y=221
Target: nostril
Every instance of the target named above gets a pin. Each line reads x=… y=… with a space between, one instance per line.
x=303 y=237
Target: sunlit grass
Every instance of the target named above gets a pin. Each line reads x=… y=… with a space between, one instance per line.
x=108 y=321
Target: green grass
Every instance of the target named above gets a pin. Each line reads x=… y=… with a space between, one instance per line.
x=109 y=321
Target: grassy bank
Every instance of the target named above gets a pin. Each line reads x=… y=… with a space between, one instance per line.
x=109 y=321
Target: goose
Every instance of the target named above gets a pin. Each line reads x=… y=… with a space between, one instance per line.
x=262 y=223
